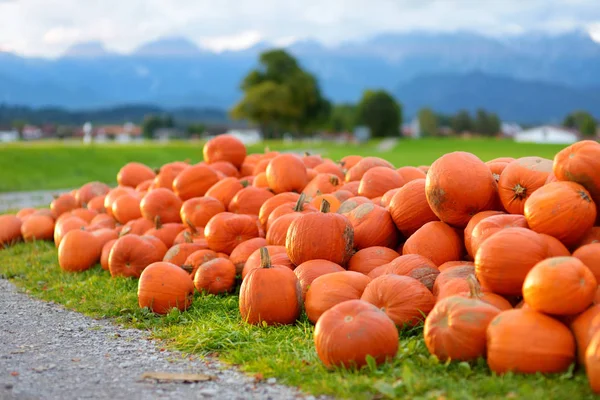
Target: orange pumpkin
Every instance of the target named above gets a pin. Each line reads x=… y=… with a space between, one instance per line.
x=592 y=362
x=63 y=203
x=369 y=258
x=272 y=203
x=105 y=252
x=564 y=210
x=409 y=173
x=579 y=163
x=436 y=241
x=260 y=304
x=194 y=181
x=452 y=202
x=167 y=175
x=321 y=184
x=224 y=190
x=409 y=208
x=25 y=212
x=475 y=293
x=178 y=254
x=131 y=254
x=10 y=230
x=472 y=224
x=329 y=167
x=320 y=235
x=357 y=171
x=260 y=181
x=78 y=251
x=373 y=226
x=242 y=251
x=520 y=179
x=215 y=276
x=65 y=225
x=226 y=168
x=591 y=236
x=451 y=264
x=411 y=265
x=497 y=168
x=555 y=247
x=378 y=180
x=37 y=227
x=351 y=204
x=226 y=230
x=341 y=338
x=334 y=202
x=96 y=204
x=492 y=224
x=196 y=259
x=330 y=289
x=137 y=226
x=559 y=286
x=113 y=195
x=526 y=341
x=90 y=190
x=456 y=328
x=127 y=208
x=277 y=254
x=405 y=300
x=165 y=232
x=386 y=199
x=164 y=286
x=134 y=173
x=584 y=327
x=249 y=200
x=224 y=147
x=286 y=173
x=352 y=187
x=504 y=259
x=277 y=233
x=161 y=203
x=198 y=211
x=589 y=254
x=308 y=271
x=348 y=162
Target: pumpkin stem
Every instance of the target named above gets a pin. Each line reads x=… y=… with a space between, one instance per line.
x=157 y=222
x=584 y=195
x=267 y=149
x=474 y=287
x=188 y=268
x=306 y=154
x=55 y=196
x=157 y=171
x=265 y=258
x=300 y=203
x=125 y=231
x=187 y=237
x=342 y=163
x=245 y=183
x=325 y=206
x=191 y=225
x=519 y=191
x=334 y=180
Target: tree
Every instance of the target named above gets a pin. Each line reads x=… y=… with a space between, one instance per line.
x=342 y=118
x=486 y=123
x=428 y=122
x=153 y=122
x=582 y=121
x=588 y=126
x=462 y=122
x=279 y=94
x=380 y=112
x=19 y=124
x=195 y=129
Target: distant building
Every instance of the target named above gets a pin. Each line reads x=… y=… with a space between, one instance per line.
x=8 y=135
x=165 y=134
x=510 y=129
x=247 y=136
x=547 y=134
x=32 y=132
x=412 y=129
x=119 y=133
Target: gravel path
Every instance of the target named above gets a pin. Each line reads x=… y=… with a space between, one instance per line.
x=48 y=352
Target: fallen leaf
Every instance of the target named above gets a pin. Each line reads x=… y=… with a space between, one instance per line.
x=259 y=377
x=176 y=377
x=75 y=359
x=14 y=373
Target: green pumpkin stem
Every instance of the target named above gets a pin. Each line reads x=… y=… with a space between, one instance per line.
x=265 y=258
x=325 y=206
x=300 y=203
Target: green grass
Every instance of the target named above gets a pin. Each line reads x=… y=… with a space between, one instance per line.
x=57 y=165
x=213 y=326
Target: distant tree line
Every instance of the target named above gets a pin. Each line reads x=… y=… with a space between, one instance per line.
x=583 y=121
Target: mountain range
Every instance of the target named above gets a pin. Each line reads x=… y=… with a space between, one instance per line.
x=528 y=78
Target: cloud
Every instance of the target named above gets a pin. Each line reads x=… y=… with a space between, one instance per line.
x=48 y=27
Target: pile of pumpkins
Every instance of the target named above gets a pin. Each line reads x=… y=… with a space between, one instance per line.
x=497 y=259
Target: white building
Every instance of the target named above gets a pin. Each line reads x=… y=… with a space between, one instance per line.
x=247 y=136
x=547 y=134
x=9 y=135
x=510 y=128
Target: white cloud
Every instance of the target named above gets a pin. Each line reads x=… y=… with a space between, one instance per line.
x=48 y=27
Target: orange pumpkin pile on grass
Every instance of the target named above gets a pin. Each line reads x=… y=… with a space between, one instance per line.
x=498 y=260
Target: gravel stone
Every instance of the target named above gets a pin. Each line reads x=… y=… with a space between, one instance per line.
x=48 y=352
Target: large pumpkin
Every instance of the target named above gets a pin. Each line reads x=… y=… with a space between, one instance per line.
x=161 y=203
x=411 y=265
x=492 y=224
x=472 y=224
x=378 y=180
x=520 y=179
x=259 y=303
x=367 y=259
x=78 y=251
x=436 y=241
x=559 y=286
x=456 y=328
x=164 y=286
x=134 y=173
x=249 y=200
x=564 y=210
x=405 y=300
x=458 y=186
x=286 y=173
x=198 y=211
x=244 y=250
x=580 y=162
x=527 y=341
x=65 y=225
x=504 y=259
x=589 y=254
x=194 y=181
x=308 y=271
x=131 y=254
x=409 y=208
x=350 y=331
x=226 y=230
x=373 y=226
x=215 y=276
x=277 y=255
x=584 y=327
x=225 y=190
x=320 y=235
x=224 y=147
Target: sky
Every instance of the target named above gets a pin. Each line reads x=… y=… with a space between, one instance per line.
x=48 y=27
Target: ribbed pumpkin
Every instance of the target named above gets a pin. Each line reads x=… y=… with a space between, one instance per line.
x=134 y=173
x=127 y=208
x=277 y=233
x=472 y=224
x=592 y=236
x=329 y=167
x=373 y=226
x=589 y=254
x=226 y=230
x=286 y=173
x=196 y=259
x=272 y=203
x=409 y=208
x=559 y=286
x=96 y=204
x=342 y=195
x=165 y=232
x=520 y=179
x=555 y=247
x=114 y=195
x=322 y=184
x=320 y=235
x=103 y=221
x=357 y=171
x=460 y=271
x=224 y=147
x=564 y=210
x=225 y=190
x=497 y=167
x=456 y=201
x=308 y=271
x=580 y=162
x=105 y=252
x=178 y=254
x=249 y=200
x=456 y=328
x=527 y=341
x=78 y=251
x=164 y=286
x=349 y=332
x=492 y=224
x=475 y=293
x=504 y=259
x=334 y=202
x=37 y=227
x=584 y=327
x=65 y=225
x=199 y=210
x=331 y=289
x=350 y=161
x=352 y=187
x=411 y=265
x=451 y=264
x=367 y=259
x=215 y=276
x=405 y=300
x=386 y=199
x=167 y=175
x=242 y=251
x=90 y=190
x=137 y=226
x=592 y=362
x=409 y=173
x=259 y=303
x=194 y=181
x=352 y=203
x=378 y=180
x=436 y=241
x=131 y=254
x=161 y=203
x=63 y=203
x=277 y=255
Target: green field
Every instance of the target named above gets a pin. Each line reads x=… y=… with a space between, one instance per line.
x=56 y=165
x=213 y=325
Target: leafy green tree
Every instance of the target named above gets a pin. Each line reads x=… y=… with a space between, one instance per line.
x=380 y=112
x=462 y=122
x=486 y=123
x=153 y=122
x=582 y=121
x=195 y=129
x=19 y=124
x=428 y=122
x=279 y=95
x=588 y=126
x=342 y=118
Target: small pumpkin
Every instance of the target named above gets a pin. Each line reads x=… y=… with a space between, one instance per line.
x=589 y=254
x=584 y=327
x=350 y=161
x=96 y=204
x=10 y=229
x=520 y=179
x=277 y=254
x=137 y=226
x=409 y=173
x=78 y=251
x=334 y=202
x=131 y=254
x=472 y=224
x=348 y=205
x=127 y=208
x=37 y=227
x=164 y=286
x=277 y=233
x=105 y=252
x=198 y=211
x=409 y=208
x=249 y=200
x=178 y=254
x=555 y=247
x=476 y=293
x=373 y=226
x=286 y=173
x=378 y=180
x=215 y=276
x=351 y=331
x=90 y=190
x=308 y=271
x=592 y=362
x=580 y=162
x=134 y=173
x=113 y=195
x=358 y=171
x=492 y=224
x=196 y=259
x=369 y=258
x=194 y=181
x=161 y=203
x=329 y=167
x=244 y=250
x=224 y=147
x=411 y=265
x=322 y=184
x=227 y=230
x=226 y=168
x=436 y=241
x=224 y=190
x=63 y=203
x=165 y=232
